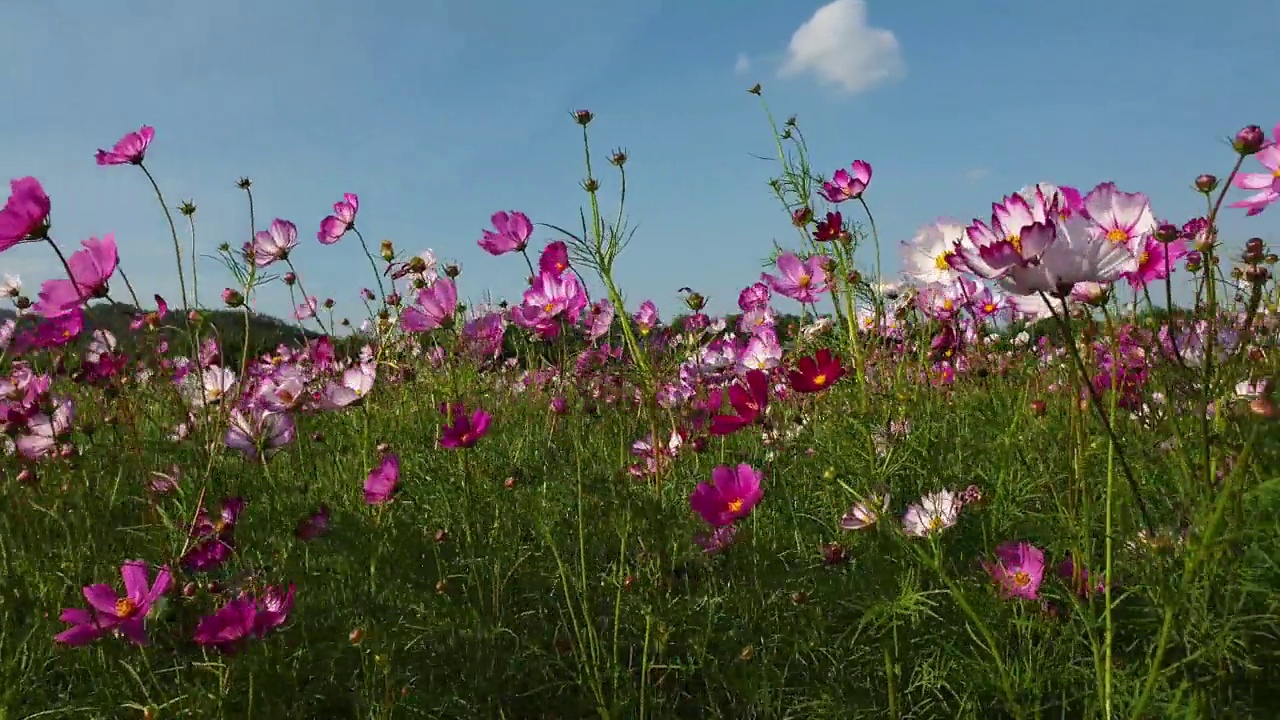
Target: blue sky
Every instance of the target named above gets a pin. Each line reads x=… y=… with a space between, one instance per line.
x=439 y=112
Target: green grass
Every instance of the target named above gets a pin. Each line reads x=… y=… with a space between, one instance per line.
x=577 y=591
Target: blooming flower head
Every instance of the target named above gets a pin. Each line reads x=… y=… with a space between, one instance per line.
x=90 y=267
x=110 y=612
x=25 y=215
x=463 y=431
x=275 y=243
x=748 y=399
x=802 y=281
x=865 y=512
x=380 y=486
x=258 y=431
x=435 y=307
x=1018 y=569
x=334 y=226
x=128 y=150
x=1155 y=260
x=554 y=258
x=731 y=495
x=647 y=317
x=244 y=618
x=935 y=512
x=848 y=186
x=817 y=372
x=513 y=231
x=926 y=257
x=1120 y=217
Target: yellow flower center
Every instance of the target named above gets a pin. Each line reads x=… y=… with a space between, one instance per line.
x=989 y=307
x=804 y=281
x=1118 y=236
x=948 y=305
x=549 y=308
x=735 y=505
x=1021 y=579
x=1016 y=242
x=125 y=608
x=935 y=522
x=1143 y=259
x=1276 y=173
x=820 y=379
x=940 y=261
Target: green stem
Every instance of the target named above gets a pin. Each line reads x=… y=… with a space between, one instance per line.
x=173 y=231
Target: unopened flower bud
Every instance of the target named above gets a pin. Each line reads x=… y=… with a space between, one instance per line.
x=244 y=183
x=1206 y=183
x=1253 y=245
x=290 y=279
x=22 y=302
x=356 y=636
x=583 y=117
x=591 y=185
x=328 y=303
x=802 y=216
x=187 y=208
x=452 y=270
x=388 y=250
x=232 y=298
x=1249 y=140
x=619 y=157
x=1167 y=232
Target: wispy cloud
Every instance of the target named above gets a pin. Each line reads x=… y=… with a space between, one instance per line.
x=742 y=65
x=840 y=48
x=976 y=174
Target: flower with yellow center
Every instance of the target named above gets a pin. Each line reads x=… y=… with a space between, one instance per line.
x=1021 y=579
x=948 y=304
x=126 y=608
x=941 y=261
x=804 y=281
x=1016 y=241
x=1118 y=236
x=935 y=522
x=735 y=505
x=820 y=379
x=1144 y=258
x=549 y=308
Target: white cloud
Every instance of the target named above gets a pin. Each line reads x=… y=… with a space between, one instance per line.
x=838 y=46
x=742 y=65
x=976 y=174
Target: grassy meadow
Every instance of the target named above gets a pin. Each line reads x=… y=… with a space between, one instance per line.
x=1010 y=484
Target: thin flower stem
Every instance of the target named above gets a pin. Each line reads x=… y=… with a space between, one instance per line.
x=173 y=231
x=129 y=286
x=382 y=293
x=1096 y=401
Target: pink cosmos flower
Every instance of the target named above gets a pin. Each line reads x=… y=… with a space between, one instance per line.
x=599 y=319
x=306 y=309
x=646 y=317
x=763 y=351
x=548 y=298
x=934 y=513
x=1122 y=218
x=1018 y=234
x=554 y=258
x=91 y=267
x=125 y=614
x=315 y=525
x=754 y=297
x=356 y=382
x=380 y=487
x=1018 y=570
x=25 y=215
x=245 y=617
x=731 y=494
x=749 y=398
x=259 y=432
x=463 y=431
x=274 y=244
x=513 y=232
x=435 y=307
x=866 y=512
x=130 y=149
x=845 y=186
x=334 y=226
x=800 y=281
x=1156 y=260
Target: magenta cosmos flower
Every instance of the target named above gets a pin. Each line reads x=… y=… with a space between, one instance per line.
x=274 y=244
x=800 y=281
x=380 y=486
x=90 y=267
x=435 y=307
x=334 y=226
x=731 y=494
x=245 y=617
x=1266 y=183
x=848 y=186
x=130 y=149
x=1018 y=569
x=25 y=215
x=463 y=431
x=513 y=232
x=109 y=612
